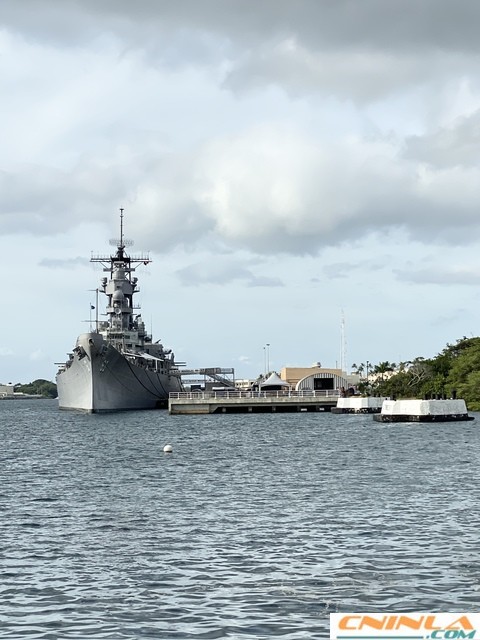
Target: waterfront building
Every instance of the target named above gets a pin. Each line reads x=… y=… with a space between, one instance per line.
x=6 y=390
x=317 y=378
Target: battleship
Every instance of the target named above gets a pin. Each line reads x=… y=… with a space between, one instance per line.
x=117 y=366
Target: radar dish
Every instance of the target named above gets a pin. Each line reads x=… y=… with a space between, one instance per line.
x=116 y=242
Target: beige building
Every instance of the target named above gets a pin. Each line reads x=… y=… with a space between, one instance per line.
x=312 y=378
x=6 y=390
x=316 y=378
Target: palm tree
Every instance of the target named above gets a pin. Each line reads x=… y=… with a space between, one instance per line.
x=384 y=367
x=358 y=368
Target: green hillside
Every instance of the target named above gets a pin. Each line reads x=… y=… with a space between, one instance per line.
x=38 y=387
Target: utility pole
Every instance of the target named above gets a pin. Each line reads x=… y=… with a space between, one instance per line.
x=343 y=347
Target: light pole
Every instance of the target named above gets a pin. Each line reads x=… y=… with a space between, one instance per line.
x=268 y=358
x=367 y=365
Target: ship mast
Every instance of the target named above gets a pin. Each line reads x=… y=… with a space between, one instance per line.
x=121 y=286
x=121 y=245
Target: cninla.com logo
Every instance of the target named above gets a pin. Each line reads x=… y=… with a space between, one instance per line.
x=405 y=626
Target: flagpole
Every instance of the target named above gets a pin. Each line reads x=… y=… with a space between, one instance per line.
x=96 y=310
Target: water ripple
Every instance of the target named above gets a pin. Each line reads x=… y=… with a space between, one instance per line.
x=255 y=527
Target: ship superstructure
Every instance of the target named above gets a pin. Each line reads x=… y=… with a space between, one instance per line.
x=118 y=366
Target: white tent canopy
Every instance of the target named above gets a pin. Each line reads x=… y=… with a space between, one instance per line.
x=274 y=380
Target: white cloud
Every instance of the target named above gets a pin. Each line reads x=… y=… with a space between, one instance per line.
x=281 y=163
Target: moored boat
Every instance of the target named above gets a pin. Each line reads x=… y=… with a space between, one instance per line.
x=117 y=366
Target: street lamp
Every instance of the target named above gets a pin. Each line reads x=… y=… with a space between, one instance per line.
x=367 y=365
x=266 y=358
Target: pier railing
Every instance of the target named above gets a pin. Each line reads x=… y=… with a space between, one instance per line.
x=227 y=394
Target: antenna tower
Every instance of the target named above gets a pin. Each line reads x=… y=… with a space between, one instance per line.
x=122 y=246
x=343 y=348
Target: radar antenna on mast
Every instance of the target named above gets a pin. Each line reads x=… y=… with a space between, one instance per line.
x=121 y=242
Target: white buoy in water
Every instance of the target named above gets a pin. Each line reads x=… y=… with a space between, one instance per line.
x=168 y=448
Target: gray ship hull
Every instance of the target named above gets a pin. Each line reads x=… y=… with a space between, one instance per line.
x=99 y=378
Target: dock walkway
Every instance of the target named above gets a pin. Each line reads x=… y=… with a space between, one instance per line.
x=201 y=402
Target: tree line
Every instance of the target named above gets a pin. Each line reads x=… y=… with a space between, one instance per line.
x=455 y=372
x=38 y=387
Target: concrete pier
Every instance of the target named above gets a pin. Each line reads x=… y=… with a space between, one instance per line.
x=423 y=411
x=359 y=405
x=251 y=401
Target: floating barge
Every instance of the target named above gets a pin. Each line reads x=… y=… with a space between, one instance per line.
x=356 y=404
x=251 y=401
x=423 y=411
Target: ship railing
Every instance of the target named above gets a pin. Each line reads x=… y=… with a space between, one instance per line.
x=205 y=395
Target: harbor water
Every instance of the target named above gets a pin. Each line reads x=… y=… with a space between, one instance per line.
x=256 y=526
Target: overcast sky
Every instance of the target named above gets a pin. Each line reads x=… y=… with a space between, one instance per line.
x=287 y=163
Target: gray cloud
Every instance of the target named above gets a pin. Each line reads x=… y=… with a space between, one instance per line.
x=222 y=270
x=457 y=145
x=320 y=23
x=351 y=49
x=365 y=75
x=343 y=270
x=67 y=263
x=440 y=276
x=264 y=281
x=457 y=314
x=46 y=201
